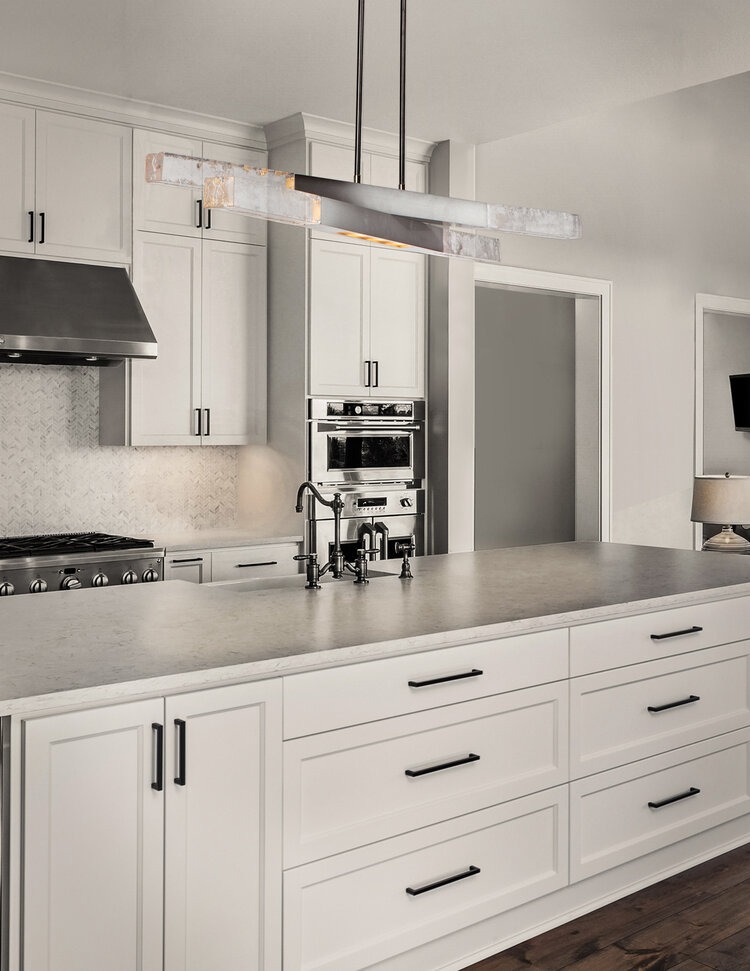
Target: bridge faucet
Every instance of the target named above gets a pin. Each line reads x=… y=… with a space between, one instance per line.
x=336 y=564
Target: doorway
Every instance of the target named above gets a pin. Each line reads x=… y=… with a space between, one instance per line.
x=541 y=430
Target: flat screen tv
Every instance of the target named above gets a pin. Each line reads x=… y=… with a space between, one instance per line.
x=740 y=387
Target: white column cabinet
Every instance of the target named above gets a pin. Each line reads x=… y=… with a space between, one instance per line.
x=181 y=875
x=173 y=209
x=367 y=311
x=93 y=841
x=66 y=186
x=206 y=302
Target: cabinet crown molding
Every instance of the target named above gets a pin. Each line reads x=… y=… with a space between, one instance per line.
x=50 y=95
x=315 y=128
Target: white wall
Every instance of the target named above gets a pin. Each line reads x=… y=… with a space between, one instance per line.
x=663 y=188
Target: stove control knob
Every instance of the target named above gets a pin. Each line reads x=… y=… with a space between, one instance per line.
x=7 y=589
x=70 y=583
x=150 y=576
x=38 y=586
x=130 y=576
x=406 y=501
x=100 y=580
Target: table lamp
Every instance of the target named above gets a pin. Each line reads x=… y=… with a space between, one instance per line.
x=723 y=500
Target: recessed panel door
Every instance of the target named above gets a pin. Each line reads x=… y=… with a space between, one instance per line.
x=17 y=145
x=397 y=323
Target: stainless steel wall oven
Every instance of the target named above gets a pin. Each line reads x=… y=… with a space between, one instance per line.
x=373 y=453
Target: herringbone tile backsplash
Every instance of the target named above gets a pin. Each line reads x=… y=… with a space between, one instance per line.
x=55 y=477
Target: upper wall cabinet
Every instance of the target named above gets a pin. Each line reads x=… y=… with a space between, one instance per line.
x=66 y=186
x=172 y=209
x=206 y=302
x=367 y=311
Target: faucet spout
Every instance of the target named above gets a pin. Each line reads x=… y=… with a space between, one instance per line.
x=315 y=492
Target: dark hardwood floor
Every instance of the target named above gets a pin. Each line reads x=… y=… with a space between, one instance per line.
x=697 y=920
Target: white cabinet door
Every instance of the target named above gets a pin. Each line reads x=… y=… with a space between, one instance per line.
x=223 y=830
x=397 y=310
x=339 y=317
x=93 y=841
x=83 y=178
x=234 y=343
x=384 y=171
x=165 y=393
x=233 y=226
x=336 y=162
x=164 y=208
x=17 y=146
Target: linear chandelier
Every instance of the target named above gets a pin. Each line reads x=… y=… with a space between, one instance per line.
x=438 y=225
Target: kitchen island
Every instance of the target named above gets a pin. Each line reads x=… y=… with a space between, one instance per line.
x=507 y=740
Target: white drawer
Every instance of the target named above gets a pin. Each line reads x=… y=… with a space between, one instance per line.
x=346 y=788
x=191 y=565
x=612 y=820
x=251 y=562
x=629 y=640
x=319 y=701
x=350 y=911
x=696 y=696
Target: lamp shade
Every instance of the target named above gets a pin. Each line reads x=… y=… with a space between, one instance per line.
x=721 y=499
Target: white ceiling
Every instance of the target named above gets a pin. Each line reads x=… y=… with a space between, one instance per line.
x=478 y=70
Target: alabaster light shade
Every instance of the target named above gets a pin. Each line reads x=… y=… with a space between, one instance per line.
x=725 y=501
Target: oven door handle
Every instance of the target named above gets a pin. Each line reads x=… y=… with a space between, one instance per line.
x=353 y=429
x=384 y=532
x=367 y=529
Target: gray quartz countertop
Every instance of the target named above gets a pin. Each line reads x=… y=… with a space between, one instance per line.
x=86 y=646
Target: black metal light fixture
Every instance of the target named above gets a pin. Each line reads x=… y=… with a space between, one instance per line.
x=438 y=225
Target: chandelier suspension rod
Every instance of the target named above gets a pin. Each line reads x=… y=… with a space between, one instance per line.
x=358 y=110
x=402 y=103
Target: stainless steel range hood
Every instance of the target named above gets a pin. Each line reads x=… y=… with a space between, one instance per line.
x=69 y=313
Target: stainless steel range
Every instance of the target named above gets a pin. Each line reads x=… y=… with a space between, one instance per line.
x=69 y=561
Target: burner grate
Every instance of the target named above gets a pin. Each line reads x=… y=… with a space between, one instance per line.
x=50 y=544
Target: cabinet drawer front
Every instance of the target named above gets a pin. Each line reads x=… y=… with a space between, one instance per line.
x=191 y=565
x=614 y=643
x=254 y=562
x=619 y=716
x=353 y=910
x=619 y=815
x=319 y=701
x=347 y=788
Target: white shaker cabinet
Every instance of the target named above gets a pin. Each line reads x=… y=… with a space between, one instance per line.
x=206 y=302
x=174 y=209
x=367 y=320
x=151 y=831
x=66 y=186
x=93 y=841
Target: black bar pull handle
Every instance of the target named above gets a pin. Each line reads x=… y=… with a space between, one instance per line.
x=415 y=773
x=368 y=373
x=207 y=223
x=189 y=559
x=42 y=221
x=375 y=373
x=692 y=791
x=675 y=704
x=207 y=432
x=157 y=780
x=416 y=891
x=242 y=566
x=198 y=412
x=31 y=225
x=199 y=204
x=180 y=727
x=474 y=673
x=676 y=633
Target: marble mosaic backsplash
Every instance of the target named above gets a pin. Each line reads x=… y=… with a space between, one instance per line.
x=55 y=477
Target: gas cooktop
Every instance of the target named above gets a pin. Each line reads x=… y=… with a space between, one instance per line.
x=52 y=544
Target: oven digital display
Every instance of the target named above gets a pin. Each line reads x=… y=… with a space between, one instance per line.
x=351 y=452
x=364 y=503
x=370 y=409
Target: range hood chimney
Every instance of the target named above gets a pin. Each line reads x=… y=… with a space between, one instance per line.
x=69 y=313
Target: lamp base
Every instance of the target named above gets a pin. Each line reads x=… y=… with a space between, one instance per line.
x=727 y=541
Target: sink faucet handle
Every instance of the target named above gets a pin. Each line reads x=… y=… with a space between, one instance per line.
x=312 y=570
x=360 y=564
x=407 y=549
